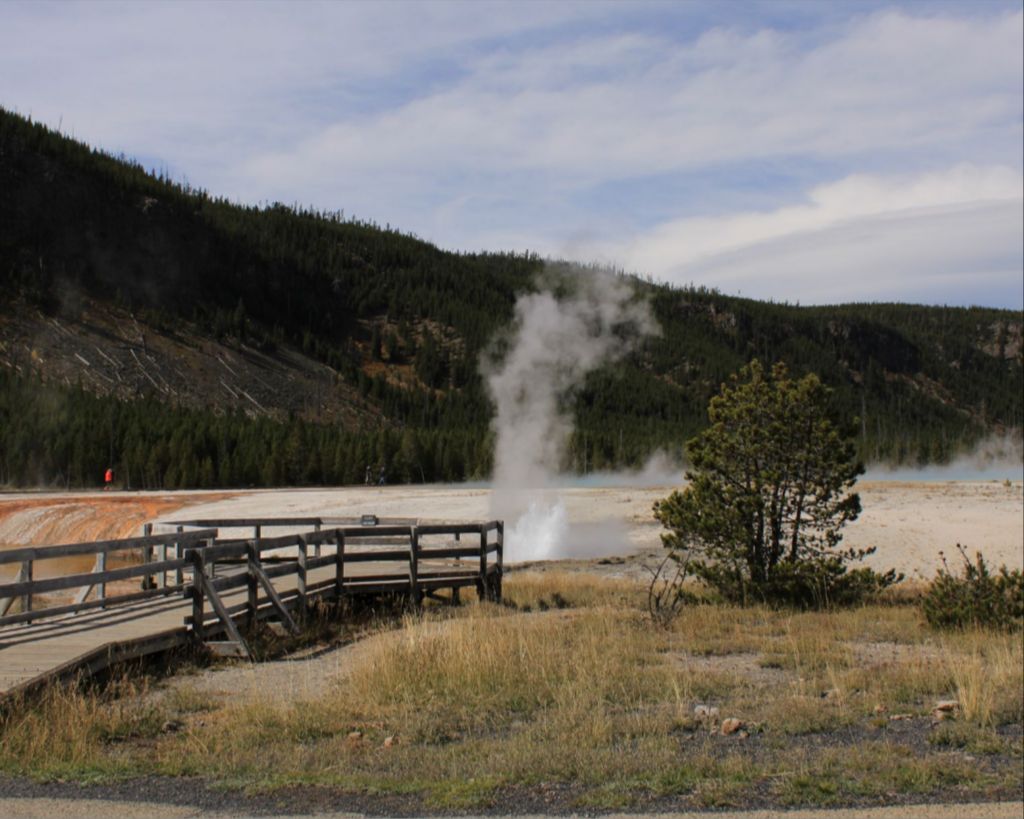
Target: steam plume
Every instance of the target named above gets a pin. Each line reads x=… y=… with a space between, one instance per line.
x=579 y=320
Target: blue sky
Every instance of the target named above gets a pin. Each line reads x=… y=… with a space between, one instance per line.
x=803 y=151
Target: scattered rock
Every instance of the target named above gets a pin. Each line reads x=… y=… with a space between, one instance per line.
x=705 y=713
x=389 y=741
x=896 y=717
x=831 y=694
x=879 y=709
x=945 y=709
x=742 y=734
x=731 y=726
x=171 y=726
x=355 y=736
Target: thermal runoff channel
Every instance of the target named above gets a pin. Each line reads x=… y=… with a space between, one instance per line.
x=574 y=323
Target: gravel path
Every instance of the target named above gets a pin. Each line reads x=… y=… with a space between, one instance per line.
x=48 y=808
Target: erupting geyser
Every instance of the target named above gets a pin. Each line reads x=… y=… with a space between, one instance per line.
x=579 y=320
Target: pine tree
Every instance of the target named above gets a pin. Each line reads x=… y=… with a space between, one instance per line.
x=769 y=493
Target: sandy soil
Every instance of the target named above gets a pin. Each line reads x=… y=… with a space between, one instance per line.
x=910 y=523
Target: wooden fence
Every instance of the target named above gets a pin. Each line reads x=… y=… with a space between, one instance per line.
x=360 y=561
x=280 y=576
x=161 y=571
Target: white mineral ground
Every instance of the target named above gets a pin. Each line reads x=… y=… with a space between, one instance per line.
x=910 y=523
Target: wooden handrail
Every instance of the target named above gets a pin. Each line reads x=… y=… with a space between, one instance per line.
x=72 y=581
x=101 y=546
x=242 y=564
x=25 y=587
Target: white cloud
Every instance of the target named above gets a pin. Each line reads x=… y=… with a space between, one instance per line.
x=612 y=106
x=228 y=78
x=957 y=234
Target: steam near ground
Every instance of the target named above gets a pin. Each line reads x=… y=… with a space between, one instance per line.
x=577 y=322
x=998 y=457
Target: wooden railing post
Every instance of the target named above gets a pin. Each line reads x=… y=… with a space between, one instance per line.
x=101 y=567
x=252 y=554
x=26 y=599
x=179 y=576
x=198 y=571
x=301 y=575
x=316 y=548
x=147 y=557
x=500 y=561
x=456 y=591
x=415 y=595
x=161 y=552
x=339 y=567
x=481 y=583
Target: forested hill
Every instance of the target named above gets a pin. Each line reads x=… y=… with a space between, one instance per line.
x=189 y=341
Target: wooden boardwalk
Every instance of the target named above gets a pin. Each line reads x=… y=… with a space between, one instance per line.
x=205 y=589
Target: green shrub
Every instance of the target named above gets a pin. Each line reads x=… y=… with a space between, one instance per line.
x=770 y=490
x=977 y=598
x=809 y=584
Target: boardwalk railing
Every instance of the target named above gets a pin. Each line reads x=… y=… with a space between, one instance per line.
x=405 y=560
x=160 y=577
x=234 y=583
x=315 y=524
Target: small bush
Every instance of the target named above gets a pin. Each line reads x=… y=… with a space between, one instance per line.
x=808 y=584
x=978 y=598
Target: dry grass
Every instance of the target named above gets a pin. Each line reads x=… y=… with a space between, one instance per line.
x=70 y=732
x=582 y=690
x=535 y=590
x=988 y=678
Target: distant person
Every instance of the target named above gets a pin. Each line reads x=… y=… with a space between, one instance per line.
x=108 y=479
x=383 y=479
x=368 y=478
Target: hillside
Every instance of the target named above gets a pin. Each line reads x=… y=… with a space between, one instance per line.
x=194 y=342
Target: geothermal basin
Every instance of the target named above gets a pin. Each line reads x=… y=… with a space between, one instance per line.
x=910 y=522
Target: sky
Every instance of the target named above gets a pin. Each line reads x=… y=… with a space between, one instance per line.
x=808 y=152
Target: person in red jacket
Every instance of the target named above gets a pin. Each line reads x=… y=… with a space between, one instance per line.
x=108 y=478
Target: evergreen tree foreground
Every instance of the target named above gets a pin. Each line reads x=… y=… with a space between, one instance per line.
x=770 y=489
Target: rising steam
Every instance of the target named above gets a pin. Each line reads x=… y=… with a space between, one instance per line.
x=578 y=321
